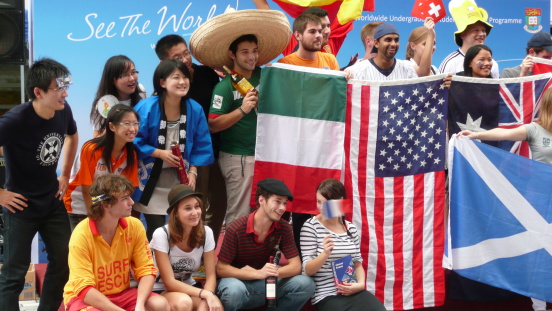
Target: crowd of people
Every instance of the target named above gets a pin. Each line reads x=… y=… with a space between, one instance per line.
x=130 y=168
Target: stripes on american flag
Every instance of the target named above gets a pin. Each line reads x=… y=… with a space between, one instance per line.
x=394 y=172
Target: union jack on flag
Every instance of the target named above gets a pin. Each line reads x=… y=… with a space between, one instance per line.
x=477 y=105
x=519 y=104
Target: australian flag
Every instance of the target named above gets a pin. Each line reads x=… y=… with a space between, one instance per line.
x=477 y=105
x=500 y=230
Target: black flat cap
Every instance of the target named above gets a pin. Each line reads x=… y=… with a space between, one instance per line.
x=275 y=186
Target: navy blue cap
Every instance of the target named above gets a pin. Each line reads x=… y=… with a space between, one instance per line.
x=541 y=39
x=382 y=30
x=275 y=186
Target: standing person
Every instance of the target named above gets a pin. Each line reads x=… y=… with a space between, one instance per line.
x=32 y=196
x=120 y=79
x=180 y=247
x=418 y=39
x=538 y=134
x=473 y=29
x=111 y=153
x=385 y=66
x=326 y=240
x=228 y=40
x=105 y=248
x=202 y=82
x=247 y=246
x=307 y=30
x=168 y=117
x=540 y=45
x=367 y=38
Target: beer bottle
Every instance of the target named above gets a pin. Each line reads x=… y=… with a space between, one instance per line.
x=239 y=82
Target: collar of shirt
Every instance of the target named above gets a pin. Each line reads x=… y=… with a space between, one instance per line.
x=251 y=227
x=94 y=227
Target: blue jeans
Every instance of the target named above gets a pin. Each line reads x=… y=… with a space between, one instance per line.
x=18 y=236
x=236 y=294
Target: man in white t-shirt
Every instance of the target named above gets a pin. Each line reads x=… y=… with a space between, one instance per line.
x=384 y=66
x=473 y=29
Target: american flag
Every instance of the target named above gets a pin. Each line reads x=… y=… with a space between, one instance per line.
x=394 y=172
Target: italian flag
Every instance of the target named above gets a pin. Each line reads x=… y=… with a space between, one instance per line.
x=300 y=130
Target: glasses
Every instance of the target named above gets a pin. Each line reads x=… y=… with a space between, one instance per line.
x=62 y=84
x=60 y=89
x=180 y=57
x=129 y=124
x=127 y=75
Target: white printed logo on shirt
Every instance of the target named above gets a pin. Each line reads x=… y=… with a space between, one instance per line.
x=217 y=102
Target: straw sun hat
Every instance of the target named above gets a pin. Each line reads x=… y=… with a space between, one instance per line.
x=210 y=42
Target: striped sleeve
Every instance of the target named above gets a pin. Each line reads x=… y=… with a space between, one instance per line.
x=230 y=243
x=450 y=63
x=308 y=243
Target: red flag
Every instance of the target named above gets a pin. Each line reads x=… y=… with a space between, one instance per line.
x=541 y=65
x=429 y=8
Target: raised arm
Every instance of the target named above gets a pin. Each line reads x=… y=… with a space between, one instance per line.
x=424 y=68
x=261 y=4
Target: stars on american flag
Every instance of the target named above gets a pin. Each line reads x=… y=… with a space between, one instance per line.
x=411 y=129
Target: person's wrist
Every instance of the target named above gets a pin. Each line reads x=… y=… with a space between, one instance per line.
x=242 y=111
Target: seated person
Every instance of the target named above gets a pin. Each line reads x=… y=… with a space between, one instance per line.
x=179 y=248
x=326 y=240
x=247 y=246
x=104 y=248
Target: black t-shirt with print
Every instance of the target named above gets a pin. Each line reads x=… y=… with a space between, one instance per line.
x=32 y=148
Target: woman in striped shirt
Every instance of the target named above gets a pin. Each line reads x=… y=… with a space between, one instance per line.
x=326 y=240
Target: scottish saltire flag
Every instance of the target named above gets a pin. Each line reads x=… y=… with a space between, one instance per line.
x=500 y=229
x=394 y=172
x=477 y=105
x=300 y=130
x=541 y=65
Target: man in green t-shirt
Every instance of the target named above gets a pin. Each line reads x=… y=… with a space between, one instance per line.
x=229 y=40
x=235 y=117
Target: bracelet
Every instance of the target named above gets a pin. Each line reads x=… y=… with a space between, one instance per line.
x=476 y=135
x=193 y=172
x=243 y=112
x=201 y=291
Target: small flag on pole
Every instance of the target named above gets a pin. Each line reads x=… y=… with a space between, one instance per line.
x=429 y=8
x=335 y=208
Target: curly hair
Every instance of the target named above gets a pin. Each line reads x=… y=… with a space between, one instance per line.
x=111 y=186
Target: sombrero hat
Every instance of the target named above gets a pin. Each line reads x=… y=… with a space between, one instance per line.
x=465 y=13
x=210 y=42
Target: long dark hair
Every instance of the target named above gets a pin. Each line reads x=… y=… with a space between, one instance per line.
x=114 y=116
x=163 y=71
x=471 y=54
x=113 y=68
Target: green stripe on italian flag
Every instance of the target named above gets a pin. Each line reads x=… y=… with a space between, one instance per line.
x=300 y=130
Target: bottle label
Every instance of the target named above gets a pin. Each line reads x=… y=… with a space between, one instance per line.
x=270 y=290
x=244 y=86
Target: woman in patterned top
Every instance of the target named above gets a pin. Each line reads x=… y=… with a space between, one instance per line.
x=326 y=240
x=168 y=117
